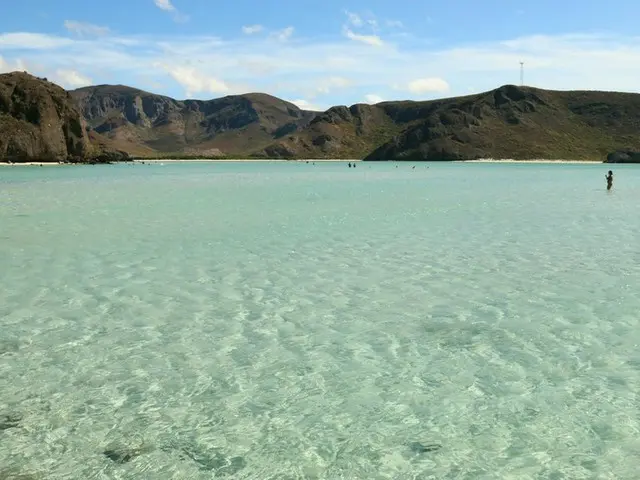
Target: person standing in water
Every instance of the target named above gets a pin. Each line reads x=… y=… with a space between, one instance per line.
x=609 y=177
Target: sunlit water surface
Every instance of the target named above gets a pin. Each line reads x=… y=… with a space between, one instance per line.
x=292 y=320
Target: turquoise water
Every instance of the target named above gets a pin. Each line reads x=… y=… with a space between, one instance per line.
x=290 y=320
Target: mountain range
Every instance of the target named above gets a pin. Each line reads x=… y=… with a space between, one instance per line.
x=41 y=121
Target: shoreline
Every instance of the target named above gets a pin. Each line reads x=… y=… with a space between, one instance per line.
x=535 y=160
x=35 y=164
x=173 y=160
x=213 y=160
x=323 y=160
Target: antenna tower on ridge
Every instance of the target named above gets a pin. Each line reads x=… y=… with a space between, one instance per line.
x=522 y=74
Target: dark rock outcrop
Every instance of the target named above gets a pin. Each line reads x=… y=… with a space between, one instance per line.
x=623 y=156
x=39 y=122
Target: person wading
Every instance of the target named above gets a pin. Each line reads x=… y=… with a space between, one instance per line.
x=609 y=177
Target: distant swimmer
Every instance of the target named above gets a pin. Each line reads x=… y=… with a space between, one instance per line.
x=609 y=177
x=349 y=164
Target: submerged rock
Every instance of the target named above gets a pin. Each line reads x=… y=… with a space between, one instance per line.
x=8 y=346
x=9 y=420
x=207 y=459
x=418 y=447
x=121 y=454
x=15 y=474
x=234 y=465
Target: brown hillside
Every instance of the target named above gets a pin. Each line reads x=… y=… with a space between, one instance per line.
x=39 y=121
x=519 y=123
x=158 y=125
x=509 y=122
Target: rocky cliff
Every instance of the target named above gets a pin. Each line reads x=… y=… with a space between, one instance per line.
x=39 y=121
x=150 y=125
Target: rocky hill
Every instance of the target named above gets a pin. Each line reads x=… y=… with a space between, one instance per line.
x=146 y=124
x=39 y=121
x=520 y=123
x=509 y=122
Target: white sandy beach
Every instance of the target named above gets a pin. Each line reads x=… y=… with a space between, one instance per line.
x=482 y=160
x=177 y=160
x=33 y=164
x=174 y=160
x=536 y=160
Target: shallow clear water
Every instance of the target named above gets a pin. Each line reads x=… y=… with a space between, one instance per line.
x=290 y=320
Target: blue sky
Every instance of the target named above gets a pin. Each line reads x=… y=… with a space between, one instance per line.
x=319 y=54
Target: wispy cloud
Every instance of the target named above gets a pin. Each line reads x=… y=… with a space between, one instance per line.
x=251 y=29
x=357 y=21
x=167 y=6
x=395 y=24
x=327 y=71
x=372 y=40
x=33 y=41
x=283 y=35
x=354 y=19
x=83 y=28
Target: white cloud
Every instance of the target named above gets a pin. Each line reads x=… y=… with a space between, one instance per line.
x=395 y=24
x=372 y=98
x=372 y=40
x=207 y=66
x=165 y=5
x=331 y=83
x=251 y=29
x=358 y=21
x=428 y=85
x=82 y=28
x=7 y=67
x=196 y=82
x=283 y=35
x=71 y=79
x=354 y=19
x=32 y=41
x=305 y=105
